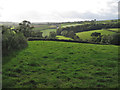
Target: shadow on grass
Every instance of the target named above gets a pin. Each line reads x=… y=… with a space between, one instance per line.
x=7 y=58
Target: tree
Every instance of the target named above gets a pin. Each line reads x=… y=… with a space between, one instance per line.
x=116 y=39
x=12 y=41
x=106 y=39
x=96 y=37
x=26 y=28
x=64 y=32
x=71 y=34
x=96 y=34
x=59 y=29
x=52 y=35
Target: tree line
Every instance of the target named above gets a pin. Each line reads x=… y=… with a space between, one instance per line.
x=16 y=38
x=96 y=37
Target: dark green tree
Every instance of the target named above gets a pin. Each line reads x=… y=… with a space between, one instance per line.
x=64 y=33
x=52 y=35
x=71 y=34
x=116 y=39
x=25 y=27
x=96 y=37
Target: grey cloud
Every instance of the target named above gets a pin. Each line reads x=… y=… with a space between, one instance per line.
x=119 y=9
x=34 y=15
x=89 y=15
x=0 y=11
x=110 y=13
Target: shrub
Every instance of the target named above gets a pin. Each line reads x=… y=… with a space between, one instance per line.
x=116 y=39
x=106 y=39
x=52 y=35
x=96 y=37
x=12 y=41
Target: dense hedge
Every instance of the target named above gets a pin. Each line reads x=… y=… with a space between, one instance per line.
x=12 y=41
x=88 y=27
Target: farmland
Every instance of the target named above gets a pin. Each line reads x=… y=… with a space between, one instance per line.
x=43 y=27
x=69 y=25
x=114 y=29
x=50 y=64
x=87 y=34
x=57 y=64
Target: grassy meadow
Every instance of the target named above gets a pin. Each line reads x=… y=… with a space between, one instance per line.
x=115 y=29
x=52 y=64
x=87 y=34
x=57 y=64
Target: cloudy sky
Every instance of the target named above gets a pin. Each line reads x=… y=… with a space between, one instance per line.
x=57 y=10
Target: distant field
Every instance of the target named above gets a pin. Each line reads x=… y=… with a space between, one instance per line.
x=64 y=38
x=40 y=27
x=47 y=31
x=69 y=25
x=43 y=27
x=114 y=29
x=51 y=64
x=87 y=34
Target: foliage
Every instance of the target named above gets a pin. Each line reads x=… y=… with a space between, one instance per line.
x=12 y=41
x=96 y=37
x=88 y=27
x=64 y=33
x=71 y=34
x=52 y=35
x=36 y=34
x=116 y=39
x=25 y=28
x=106 y=39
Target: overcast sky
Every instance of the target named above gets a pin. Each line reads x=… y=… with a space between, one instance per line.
x=57 y=10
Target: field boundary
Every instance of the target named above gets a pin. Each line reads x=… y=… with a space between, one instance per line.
x=64 y=41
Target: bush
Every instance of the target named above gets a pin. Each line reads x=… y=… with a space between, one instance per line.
x=116 y=39
x=106 y=39
x=12 y=41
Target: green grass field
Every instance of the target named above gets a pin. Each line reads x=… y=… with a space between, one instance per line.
x=40 y=27
x=52 y=64
x=69 y=25
x=43 y=27
x=63 y=38
x=87 y=34
x=47 y=31
x=114 y=29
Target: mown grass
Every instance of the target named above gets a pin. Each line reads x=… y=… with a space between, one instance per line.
x=51 y=64
x=87 y=34
x=63 y=38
